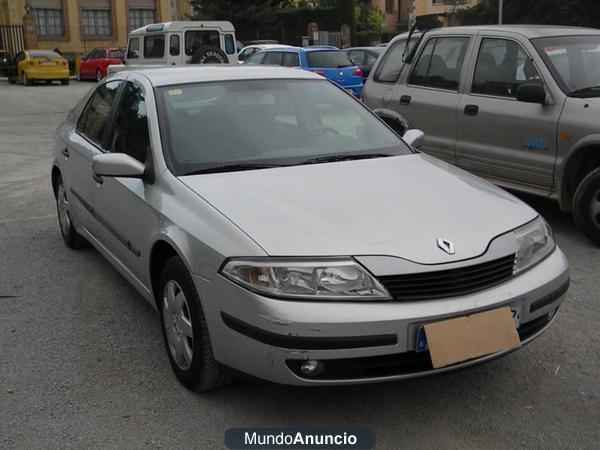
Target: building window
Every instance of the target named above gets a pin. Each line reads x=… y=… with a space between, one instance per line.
x=48 y=22
x=96 y=18
x=389 y=6
x=139 y=17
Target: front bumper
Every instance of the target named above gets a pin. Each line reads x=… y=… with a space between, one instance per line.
x=360 y=342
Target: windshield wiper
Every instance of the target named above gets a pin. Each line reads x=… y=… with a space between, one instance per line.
x=347 y=157
x=585 y=90
x=233 y=168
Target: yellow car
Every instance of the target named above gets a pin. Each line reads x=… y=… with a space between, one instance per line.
x=41 y=65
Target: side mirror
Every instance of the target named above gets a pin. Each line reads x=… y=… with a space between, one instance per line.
x=414 y=138
x=117 y=165
x=531 y=93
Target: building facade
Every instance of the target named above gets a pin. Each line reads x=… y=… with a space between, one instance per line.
x=78 y=26
x=442 y=10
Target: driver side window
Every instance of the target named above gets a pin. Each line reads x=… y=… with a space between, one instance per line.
x=502 y=66
x=131 y=135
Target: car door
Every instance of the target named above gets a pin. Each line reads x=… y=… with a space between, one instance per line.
x=87 y=67
x=121 y=204
x=428 y=98
x=82 y=145
x=498 y=136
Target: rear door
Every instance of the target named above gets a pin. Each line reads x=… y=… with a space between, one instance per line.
x=429 y=97
x=83 y=144
x=499 y=137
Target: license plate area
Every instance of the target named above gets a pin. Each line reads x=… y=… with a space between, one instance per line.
x=421 y=343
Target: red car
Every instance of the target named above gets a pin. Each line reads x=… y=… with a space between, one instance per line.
x=93 y=66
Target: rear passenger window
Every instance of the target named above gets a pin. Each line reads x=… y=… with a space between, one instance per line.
x=440 y=63
x=93 y=119
x=502 y=66
x=174 y=45
x=131 y=134
x=274 y=59
x=154 y=46
x=256 y=58
x=291 y=59
x=196 y=39
x=391 y=64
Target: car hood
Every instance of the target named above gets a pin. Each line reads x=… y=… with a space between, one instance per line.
x=395 y=206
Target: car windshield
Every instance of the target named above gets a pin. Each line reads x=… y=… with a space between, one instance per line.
x=240 y=125
x=117 y=54
x=328 y=59
x=43 y=54
x=574 y=61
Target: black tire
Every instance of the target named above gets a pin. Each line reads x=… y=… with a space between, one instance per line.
x=65 y=82
x=26 y=81
x=98 y=75
x=203 y=373
x=209 y=55
x=586 y=204
x=71 y=237
x=12 y=80
x=48 y=82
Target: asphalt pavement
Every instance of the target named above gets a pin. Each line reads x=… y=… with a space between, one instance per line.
x=82 y=363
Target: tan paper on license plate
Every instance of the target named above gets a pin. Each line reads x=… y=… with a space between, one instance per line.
x=455 y=340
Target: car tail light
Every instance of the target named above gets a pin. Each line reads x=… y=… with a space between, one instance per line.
x=319 y=72
x=358 y=73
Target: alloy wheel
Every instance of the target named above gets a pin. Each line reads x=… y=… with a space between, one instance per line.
x=177 y=322
x=98 y=75
x=595 y=208
x=64 y=218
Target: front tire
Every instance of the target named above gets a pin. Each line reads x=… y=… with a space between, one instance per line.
x=185 y=331
x=98 y=75
x=71 y=237
x=586 y=206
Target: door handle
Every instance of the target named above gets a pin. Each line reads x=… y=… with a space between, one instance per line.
x=471 y=110
x=65 y=152
x=97 y=178
x=405 y=100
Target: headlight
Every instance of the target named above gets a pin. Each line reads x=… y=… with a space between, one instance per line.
x=535 y=242
x=320 y=279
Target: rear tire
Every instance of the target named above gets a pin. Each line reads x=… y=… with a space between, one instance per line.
x=98 y=75
x=26 y=81
x=586 y=206
x=71 y=237
x=185 y=331
x=64 y=82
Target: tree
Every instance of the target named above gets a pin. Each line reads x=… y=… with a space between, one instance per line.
x=555 y=12
x=249 y=17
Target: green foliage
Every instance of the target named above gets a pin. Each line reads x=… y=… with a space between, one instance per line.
x=554 y=12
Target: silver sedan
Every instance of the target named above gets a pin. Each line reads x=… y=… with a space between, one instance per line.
x=283 y=231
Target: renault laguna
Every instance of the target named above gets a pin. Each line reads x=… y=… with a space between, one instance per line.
x=283 y=231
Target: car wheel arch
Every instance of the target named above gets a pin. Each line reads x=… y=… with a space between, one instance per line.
x=161 y=251
x=581 y=161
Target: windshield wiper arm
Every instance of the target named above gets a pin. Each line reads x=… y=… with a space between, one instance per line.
x=347 y=157
x=585 y=90
x=233 y=168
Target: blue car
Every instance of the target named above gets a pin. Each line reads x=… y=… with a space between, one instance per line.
x=326 y=61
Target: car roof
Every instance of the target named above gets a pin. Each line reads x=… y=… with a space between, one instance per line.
x=375 y=49
x=528 y=31
x=165 y=76
x=181 y=25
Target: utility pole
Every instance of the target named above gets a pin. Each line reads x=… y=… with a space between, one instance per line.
x=500 y=2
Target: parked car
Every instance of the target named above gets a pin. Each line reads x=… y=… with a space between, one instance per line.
x=7 y=65
x=94 y=65
x=291 y=235
x=40 y=65
x=184 y=42
x=326 y=61
x=250 y=50
x=518 y=105
x=364 y=57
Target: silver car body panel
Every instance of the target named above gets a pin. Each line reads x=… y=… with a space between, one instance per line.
x=386 y=213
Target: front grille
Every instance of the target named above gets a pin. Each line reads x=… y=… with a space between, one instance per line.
x=449 y=283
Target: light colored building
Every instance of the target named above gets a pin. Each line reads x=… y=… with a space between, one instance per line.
x=78 y=26
x=443 y=10
x=396 y=13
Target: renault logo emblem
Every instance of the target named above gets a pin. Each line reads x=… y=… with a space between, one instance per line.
x=446 y=245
